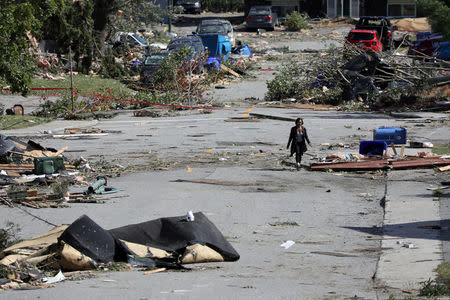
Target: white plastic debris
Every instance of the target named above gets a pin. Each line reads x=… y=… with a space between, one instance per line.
x=3 y=172
x=57 y=278
x=287 y=244
x=408 y=245
x=66 y=196
x=85 y=167
x=428 y=145
x=190 y=216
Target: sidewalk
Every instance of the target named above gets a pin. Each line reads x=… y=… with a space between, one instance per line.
x=411 y=249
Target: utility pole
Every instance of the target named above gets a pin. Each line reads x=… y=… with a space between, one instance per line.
x=169 y=16
x=71 y=78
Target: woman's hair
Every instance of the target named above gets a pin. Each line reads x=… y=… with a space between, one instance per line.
x=298 y=120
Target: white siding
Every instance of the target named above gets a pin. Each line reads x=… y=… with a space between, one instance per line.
x=331 y=9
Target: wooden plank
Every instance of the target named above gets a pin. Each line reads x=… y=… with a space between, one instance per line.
x=60 y=151
x=154 y=271
x=446 y=168
x=355 y=166
x=393 y=149
x=420 y=163
x=63 y=136
x=261 y=116
x=225 y=68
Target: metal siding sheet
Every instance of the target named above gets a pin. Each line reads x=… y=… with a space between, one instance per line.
x=285 y=2
x=401 y=2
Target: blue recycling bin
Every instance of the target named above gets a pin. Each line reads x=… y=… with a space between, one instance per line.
x=372 y=147
x=395 y=135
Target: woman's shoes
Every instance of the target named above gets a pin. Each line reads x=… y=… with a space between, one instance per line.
x=298 y=166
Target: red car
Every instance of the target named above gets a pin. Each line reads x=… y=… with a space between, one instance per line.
x=365 y=39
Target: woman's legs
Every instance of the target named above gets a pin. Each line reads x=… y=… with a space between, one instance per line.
x=298 y=156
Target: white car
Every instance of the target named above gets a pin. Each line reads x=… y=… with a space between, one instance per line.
x=129 y=38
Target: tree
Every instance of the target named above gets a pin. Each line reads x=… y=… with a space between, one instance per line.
x=72 y=26
x=438 y=14
x=17 y=19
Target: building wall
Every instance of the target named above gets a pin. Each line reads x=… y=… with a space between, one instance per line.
x=373 y=8
x=381 y=8
x=282 y=7
x=314 y=8
x=401 y=8
x=249 y=3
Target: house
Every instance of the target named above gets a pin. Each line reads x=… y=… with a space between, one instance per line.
x=340 y=8
x=281 y=7
x=343 y=8
x=357 y=8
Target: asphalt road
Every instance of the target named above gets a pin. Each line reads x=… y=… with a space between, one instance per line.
x=338 y=218
x=347 y=244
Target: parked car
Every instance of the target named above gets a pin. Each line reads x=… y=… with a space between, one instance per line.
x=365 y=39
x=442 y=51
x=217 y=26
x=129 y=38
x=195 y=46
x=383 y=27
x=193 y=43
x=151 y=64
x=190 y=6
x=262 y=17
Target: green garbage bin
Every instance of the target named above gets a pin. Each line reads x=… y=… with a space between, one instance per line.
x=48 y=165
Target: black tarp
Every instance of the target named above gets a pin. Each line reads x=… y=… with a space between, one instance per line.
x=92 y=240
x=10 y=143
x=172 y=234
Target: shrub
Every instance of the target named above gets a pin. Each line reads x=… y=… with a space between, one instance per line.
x=296 y=21
x=8 y=235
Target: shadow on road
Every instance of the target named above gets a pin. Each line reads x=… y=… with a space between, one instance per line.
x=432 y=230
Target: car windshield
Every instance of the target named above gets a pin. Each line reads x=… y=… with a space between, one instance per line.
x=192 y=48
x=155 y=59
x=219 y=29
x=141 y=40
x=365 y=36
x=259 y=11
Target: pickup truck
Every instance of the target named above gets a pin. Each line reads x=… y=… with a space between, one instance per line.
x=382 y=25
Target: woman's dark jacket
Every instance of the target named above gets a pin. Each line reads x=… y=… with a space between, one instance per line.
x=293 y=139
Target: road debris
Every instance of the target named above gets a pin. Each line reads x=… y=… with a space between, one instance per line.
x=288 y=244
x=158 y=245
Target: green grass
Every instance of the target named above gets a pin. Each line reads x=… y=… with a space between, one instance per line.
x=440 y=286
x=441 y=149
x=443 y=272
x=86 y=84
x=15 y=122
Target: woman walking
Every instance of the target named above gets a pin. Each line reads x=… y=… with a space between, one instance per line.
x=298 y=137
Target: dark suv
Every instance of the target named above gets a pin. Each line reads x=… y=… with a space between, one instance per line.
x=190 y=6
x=262 y=17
